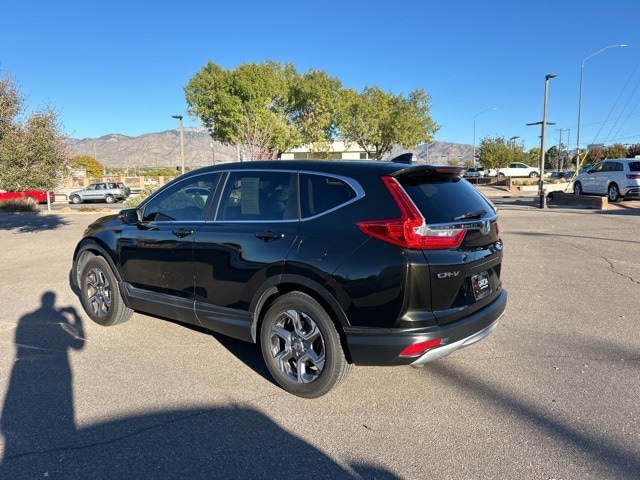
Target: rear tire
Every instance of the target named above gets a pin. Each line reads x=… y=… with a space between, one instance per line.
x=613 y=193
x=109 y=199
x=301 y=346
x=100 y=294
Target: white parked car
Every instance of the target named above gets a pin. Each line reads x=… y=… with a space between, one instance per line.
x=516 y=169
x=617 y=178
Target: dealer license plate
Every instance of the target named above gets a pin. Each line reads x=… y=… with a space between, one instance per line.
x=481 y=285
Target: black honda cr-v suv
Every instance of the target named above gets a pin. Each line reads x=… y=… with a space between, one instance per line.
x=325 y=264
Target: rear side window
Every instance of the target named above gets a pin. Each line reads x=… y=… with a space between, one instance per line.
x=321 y=193
x=444 y=198
x=634 y=166
x=258 y=195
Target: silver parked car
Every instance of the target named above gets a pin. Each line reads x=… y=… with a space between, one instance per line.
x=617 y=178
x=108 y=192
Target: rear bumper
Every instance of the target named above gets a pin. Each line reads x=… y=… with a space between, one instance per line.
x=373 y=346
x=632 y=192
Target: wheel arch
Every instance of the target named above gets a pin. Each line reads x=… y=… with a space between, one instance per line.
x=87 y=249
x=296 y=283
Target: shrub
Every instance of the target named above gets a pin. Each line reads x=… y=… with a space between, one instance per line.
x=134 y=201
x=19 y=206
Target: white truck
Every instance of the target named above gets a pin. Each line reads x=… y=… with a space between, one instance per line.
x=516 y=169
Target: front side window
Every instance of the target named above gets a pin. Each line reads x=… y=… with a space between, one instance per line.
x=183 y=201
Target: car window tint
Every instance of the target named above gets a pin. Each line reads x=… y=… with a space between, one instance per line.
x=443 y=200
x=184 y=201
x=320 y=193
x=634 y=166
x=257 y=195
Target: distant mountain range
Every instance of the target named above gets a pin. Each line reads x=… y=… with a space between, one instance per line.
x=162 y=149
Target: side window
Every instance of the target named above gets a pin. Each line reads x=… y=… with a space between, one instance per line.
x=599 y=167
x=320 y=193
x=183 y=201
x=619 y=167
x=258 y=195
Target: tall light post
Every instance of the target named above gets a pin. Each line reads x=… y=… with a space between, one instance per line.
x=622 y=45
x=179 y=117
x=543 y=198
x=560 y=145
x=475 y=163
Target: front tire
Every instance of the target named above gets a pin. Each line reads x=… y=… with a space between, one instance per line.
x=301 y=346
x=577 y=188
x=613 y=193
x=76 y=200
x=533 y=175
x=100 y=295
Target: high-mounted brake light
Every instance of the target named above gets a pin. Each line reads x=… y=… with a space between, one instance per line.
x=410 y=230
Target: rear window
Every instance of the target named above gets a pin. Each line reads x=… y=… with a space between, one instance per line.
x=634 y=166
x=445 y=198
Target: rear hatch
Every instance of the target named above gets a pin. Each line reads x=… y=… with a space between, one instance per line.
x=465 y=262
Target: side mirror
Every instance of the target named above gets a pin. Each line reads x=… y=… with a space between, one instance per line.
x=131 y=216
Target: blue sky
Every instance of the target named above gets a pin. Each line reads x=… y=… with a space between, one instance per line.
x=120 y=67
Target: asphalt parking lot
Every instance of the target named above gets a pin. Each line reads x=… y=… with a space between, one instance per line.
x=553 y=393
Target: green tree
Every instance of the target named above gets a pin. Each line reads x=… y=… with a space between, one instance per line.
x=270 y=108
x=315 y=108
x=499 y=153
x=377 y=121
x=249 y=106
x=93 y=168
x=32 y=152
x=552 y=158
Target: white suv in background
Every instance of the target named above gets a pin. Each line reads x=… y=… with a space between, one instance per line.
x=617 y=178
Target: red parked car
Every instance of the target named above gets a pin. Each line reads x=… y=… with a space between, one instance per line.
x=38 y=196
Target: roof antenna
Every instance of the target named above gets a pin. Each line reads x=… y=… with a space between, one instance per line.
x=403 y=158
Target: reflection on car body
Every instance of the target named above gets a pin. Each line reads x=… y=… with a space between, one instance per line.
x=324 y=264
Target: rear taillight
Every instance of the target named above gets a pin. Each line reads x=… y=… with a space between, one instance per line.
x=633 y=176
x=410 y=230
x=420 y=347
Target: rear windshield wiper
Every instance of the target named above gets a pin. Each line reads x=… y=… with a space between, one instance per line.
x=464 y=216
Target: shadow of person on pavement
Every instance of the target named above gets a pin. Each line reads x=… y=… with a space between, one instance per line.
x=39 y=403
x=42 y=437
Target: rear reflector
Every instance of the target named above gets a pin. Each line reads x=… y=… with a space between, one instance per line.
x=410 y=230
x=420 y=347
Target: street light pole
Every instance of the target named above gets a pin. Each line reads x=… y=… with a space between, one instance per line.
x=179 y=117
x=543 y=198
x=622 y=45
x=475 y=163
x=560 y=146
